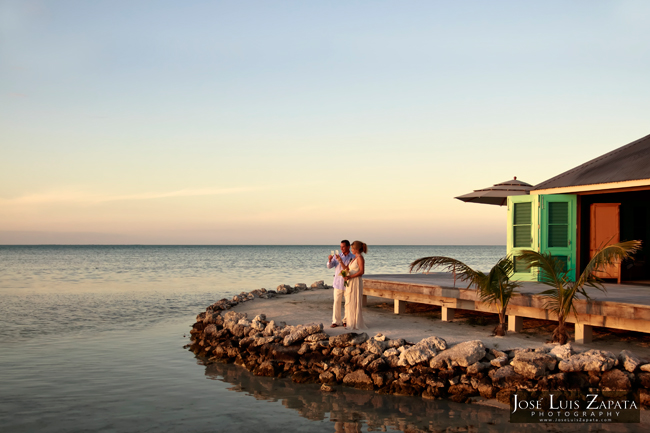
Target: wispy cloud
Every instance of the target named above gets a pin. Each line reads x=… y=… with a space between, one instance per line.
x=89 y=198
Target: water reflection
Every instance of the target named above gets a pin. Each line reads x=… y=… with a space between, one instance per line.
x=352 y=410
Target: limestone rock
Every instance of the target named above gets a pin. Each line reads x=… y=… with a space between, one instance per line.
x=563 y=352
x=367 y=360
x=375 y=346
x=359 y=339
x=533 y=365
x=486 y=390
x=378 y=364
x=258 y=326
x=616 y=380
x=210 y=330
x=503 y=396
x=245 y=342
x=300 y=332
x=477 y=367
x=233 y=316
x=260 y=341
x=358 y=379
x=629 y=361
x=505 y=374
x=239 y=331
x=319 y=336
x=284 y=289
x=422 y=351
x=643 y=380
x=212 y=318
x=270 y=328
x=379 y=379
x=499 y=358
x=339 y=371
x=393 y=361
x=461 y=355
x=318 y=284
x=348 y=339
x=327 y=377
x=304 y=348
x=462 y=389
x=300 y=287
x=644 y=397
x=394 y=352
x=281 y=353
x=267 y=368
x=553 y=382
x=591 y=360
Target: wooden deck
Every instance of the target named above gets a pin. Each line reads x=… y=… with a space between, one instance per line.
x=623 y=306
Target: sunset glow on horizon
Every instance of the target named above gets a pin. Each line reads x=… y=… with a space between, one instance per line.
x=302 y=122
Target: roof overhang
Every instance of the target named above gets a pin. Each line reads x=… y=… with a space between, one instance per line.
x=602 y=187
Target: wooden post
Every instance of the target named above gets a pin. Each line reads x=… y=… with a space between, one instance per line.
x=515 y=323
x=400 y=306
x=364 y=301
x=583 y=333
x=447 y=314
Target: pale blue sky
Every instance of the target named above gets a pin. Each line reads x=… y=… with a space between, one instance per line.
x=263 y=122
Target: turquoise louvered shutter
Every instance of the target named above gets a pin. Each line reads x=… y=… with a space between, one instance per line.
x=558 y=228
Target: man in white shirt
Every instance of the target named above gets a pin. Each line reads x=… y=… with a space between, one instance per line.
x=339 y=285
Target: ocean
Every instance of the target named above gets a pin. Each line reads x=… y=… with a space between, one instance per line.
x=91 y=339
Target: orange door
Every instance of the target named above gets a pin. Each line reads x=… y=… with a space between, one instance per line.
x=605 y=230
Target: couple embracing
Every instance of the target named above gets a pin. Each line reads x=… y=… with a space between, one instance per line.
x=350 y=266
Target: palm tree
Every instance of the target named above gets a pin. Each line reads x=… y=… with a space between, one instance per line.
x=493 y=288
x=563 y=292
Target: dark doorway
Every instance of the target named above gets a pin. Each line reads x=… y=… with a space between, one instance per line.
x=634 y=224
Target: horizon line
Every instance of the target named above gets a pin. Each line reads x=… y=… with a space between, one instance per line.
x=244 y=245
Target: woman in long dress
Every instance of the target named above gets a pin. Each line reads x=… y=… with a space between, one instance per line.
x=354 y=291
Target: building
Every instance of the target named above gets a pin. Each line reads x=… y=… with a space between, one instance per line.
x=573 y=214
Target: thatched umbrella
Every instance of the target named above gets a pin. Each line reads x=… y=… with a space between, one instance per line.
x=497 y=194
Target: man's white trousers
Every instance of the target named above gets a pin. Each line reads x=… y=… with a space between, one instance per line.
x=338 y=303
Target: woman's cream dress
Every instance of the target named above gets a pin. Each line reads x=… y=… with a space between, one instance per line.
x=353 y=298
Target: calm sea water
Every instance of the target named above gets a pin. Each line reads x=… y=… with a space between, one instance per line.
x=91 y=340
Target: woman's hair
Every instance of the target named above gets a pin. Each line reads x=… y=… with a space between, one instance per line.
x=360 y=246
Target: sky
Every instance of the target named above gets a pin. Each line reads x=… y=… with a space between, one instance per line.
x=303 y=122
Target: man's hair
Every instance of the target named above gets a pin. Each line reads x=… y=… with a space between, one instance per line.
x=346 y=242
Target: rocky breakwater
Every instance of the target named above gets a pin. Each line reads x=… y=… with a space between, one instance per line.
x=282 y=289
x=429 y=368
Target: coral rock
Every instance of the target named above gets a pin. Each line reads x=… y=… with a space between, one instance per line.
x=591 y=360
x=461 y=355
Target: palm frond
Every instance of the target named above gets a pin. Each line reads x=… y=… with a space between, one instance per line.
x=447 y=264
x=551 y=269
x=606 y=256
x=496 y=286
